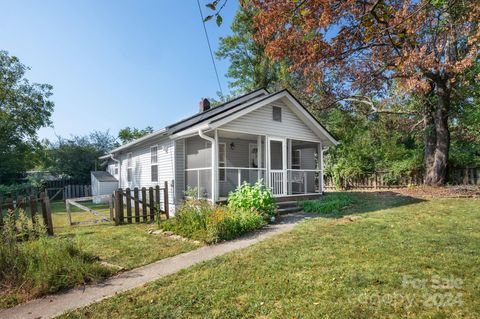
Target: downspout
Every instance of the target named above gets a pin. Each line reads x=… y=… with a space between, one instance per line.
x=213 y=143
x=119 y=170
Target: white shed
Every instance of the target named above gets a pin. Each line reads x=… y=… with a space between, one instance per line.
x=103 y=183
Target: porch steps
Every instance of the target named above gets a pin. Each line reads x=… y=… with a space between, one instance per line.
x=287 y=207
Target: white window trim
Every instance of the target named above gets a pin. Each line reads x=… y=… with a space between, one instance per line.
x=224 y=161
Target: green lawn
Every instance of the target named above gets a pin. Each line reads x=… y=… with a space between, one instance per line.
x=128 y=246
x=332 y=267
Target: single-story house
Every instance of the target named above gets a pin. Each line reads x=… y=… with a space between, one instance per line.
x=259 y=135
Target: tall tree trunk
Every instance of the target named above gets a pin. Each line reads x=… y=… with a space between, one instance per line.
x=430 y=143
x=442 y=147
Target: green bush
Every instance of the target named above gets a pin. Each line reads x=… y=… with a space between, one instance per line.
x=200 y=220
x=257 y=197
x=328 y=204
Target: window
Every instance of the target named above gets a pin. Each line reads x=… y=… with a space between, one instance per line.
x=153 y=154
x=129 y=167
x=222 y=160
x=154 y=172
x=277 y=113
x=153 y=162
x=296 y=159
x=115 y=169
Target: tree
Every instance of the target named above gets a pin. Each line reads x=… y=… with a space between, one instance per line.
x=425 y=47
x=24 y=108
x=128 y=134
x=250 y=68
x=77 y=156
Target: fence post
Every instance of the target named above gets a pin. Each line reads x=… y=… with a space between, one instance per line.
x=33 y=208
x=47 y=214
x=118 y=207
x=137 y=207
x=152 y=204
x=165 y=196
x=128 y=202
x=144 y=204
x=69 y=212
x=157 y=196
x=110 y=205
x=21 y=203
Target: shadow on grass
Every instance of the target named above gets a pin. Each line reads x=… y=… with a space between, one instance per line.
x=366 y=202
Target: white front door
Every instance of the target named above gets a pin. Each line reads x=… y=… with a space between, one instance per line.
x=277 y=165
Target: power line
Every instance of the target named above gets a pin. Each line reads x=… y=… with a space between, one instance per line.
x=209 y=46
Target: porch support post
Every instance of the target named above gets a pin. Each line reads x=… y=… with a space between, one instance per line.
x=259 y=156
x=289 y=165
x=284 y=160
x=215 y=184
x=320 y=166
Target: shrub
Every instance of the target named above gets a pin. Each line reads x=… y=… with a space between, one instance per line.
x=200 y=220
x=329 y=204
x=257 y=197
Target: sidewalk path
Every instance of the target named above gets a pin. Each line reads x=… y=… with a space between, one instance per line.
x=55 y=305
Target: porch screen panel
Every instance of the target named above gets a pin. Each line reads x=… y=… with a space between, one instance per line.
x=205 y=187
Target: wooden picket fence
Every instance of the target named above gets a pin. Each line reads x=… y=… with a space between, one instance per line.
x=140 y=205
x=30 y=203
x=379 y=180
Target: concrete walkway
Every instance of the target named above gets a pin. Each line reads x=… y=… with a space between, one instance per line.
x=54 y=305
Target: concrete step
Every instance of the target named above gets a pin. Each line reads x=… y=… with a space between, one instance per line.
x=287 y=204
x=288 y=210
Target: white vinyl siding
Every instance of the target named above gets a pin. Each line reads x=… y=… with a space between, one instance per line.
x=179 y=169
x=141 y=166
x=261 y=122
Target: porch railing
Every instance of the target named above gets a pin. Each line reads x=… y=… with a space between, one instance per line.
x=236 y=176
x=298 y=181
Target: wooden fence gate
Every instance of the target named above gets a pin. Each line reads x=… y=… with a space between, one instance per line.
x=32 y=202
x=144 y=205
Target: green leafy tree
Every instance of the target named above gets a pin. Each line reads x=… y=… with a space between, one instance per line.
x=250 y=68
x=129 y=134
x=77 y=156
x=24 y=108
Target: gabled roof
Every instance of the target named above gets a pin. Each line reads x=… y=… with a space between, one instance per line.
x=218 y=115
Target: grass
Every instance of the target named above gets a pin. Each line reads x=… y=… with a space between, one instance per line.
x=329 y=204
x=330 y=267
x=73 y=255
x=128 y=246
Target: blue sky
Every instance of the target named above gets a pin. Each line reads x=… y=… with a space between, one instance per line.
x=115 y=63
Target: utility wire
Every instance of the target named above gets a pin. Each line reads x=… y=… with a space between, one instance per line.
x=209 y=46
